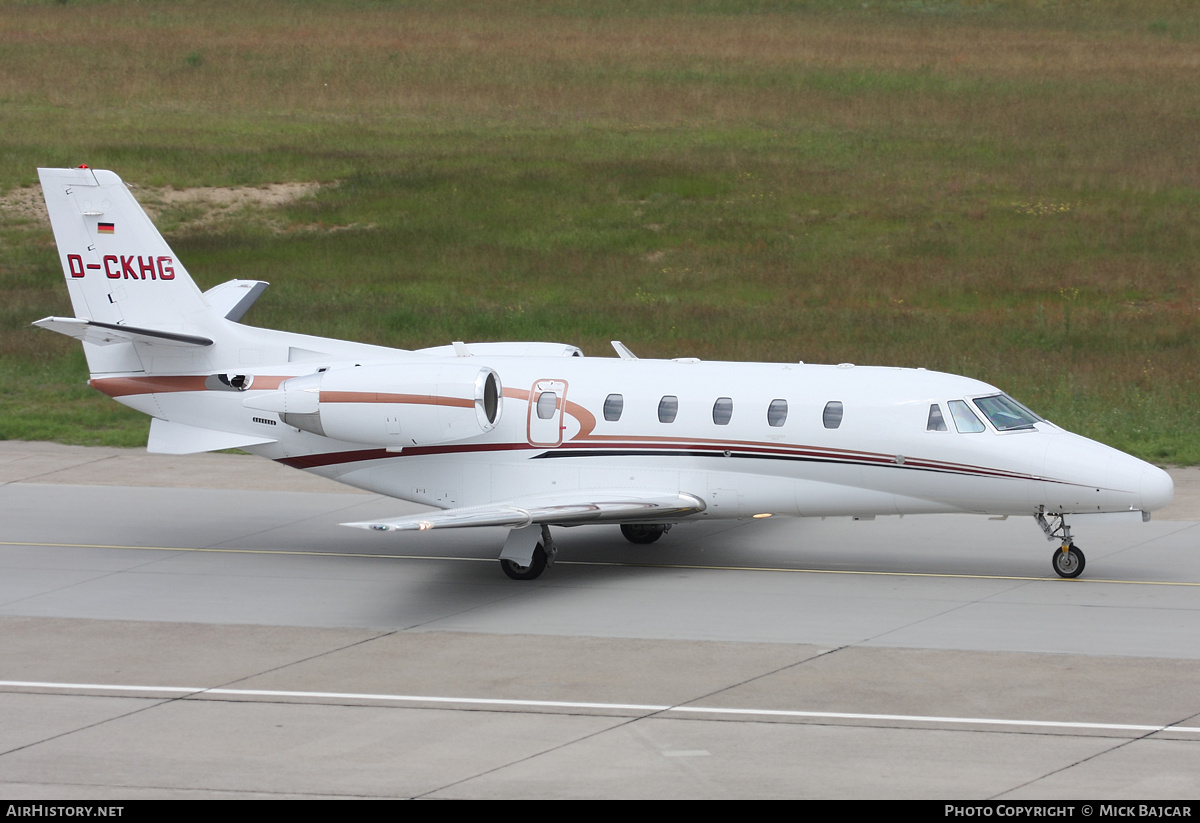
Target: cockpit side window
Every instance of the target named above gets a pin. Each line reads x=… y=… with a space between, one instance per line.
x=964 y=419
x=1005 y=413
x=936 y=423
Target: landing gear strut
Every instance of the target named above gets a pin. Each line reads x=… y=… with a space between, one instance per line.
x=1068 y=560
x=643 y=533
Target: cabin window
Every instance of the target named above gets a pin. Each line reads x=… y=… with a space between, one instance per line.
x=936 y=423
x=668 y=407
x=964 y=419
x=832 y=418
x=613 y=406
x=777 y=413
x=546 y=404
x=1005 y=413
x=723 y=411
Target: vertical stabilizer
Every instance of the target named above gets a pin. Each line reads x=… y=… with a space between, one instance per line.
x=119 y=270
x=137 y=310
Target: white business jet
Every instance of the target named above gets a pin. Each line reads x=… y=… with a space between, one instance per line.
x=533 y=435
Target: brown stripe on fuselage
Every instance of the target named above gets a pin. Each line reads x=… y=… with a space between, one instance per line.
x=163 y=383
x=123 y=386
x=587 y=420
x=385 y=397
x=152 y=384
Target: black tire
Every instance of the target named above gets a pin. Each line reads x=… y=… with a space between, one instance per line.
x=1069 y=563
x=642 y=533
x=531 y=572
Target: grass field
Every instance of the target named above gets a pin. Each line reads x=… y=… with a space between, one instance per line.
x=1007 y=190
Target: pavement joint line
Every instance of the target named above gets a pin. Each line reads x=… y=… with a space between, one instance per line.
x=564 y=704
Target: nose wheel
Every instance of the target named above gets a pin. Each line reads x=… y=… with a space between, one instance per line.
x=1068 y=561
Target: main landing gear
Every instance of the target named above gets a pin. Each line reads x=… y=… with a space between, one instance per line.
x=1068 y=560
x=644 y=533
x=518 y=543
x=531 y=572
x=519 y=562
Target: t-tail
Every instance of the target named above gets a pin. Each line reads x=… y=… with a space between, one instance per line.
x=136 y=307
x=152 y=339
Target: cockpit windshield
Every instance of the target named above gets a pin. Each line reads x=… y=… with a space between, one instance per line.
x=1005 y=413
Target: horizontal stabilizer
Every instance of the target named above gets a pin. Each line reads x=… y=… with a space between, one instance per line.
x=564 y=509
x=234 y=299
x=178 y=438
x=106 y=334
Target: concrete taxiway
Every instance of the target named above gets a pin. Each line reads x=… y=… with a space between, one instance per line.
x=202 y=627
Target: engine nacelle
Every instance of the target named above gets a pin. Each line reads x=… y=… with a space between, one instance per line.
x=392 y=405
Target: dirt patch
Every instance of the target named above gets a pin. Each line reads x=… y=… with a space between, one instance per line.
x=24 y=206
x=188 y=209
x=226 y=198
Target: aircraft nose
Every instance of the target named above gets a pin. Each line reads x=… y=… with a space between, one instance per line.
x=1156 y=487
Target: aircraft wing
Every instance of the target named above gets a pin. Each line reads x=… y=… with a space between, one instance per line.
x=569 y=509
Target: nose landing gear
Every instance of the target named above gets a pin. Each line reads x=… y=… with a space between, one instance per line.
x=1068 y=561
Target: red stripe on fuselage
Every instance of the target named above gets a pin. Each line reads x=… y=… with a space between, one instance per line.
x=742 y=448
x=312 y=461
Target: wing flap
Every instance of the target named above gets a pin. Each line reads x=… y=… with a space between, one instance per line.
x=562 y=510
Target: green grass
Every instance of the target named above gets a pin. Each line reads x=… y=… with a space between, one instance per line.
x=1000 y=189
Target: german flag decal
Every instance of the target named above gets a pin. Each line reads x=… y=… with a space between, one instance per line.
x=106 y=228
